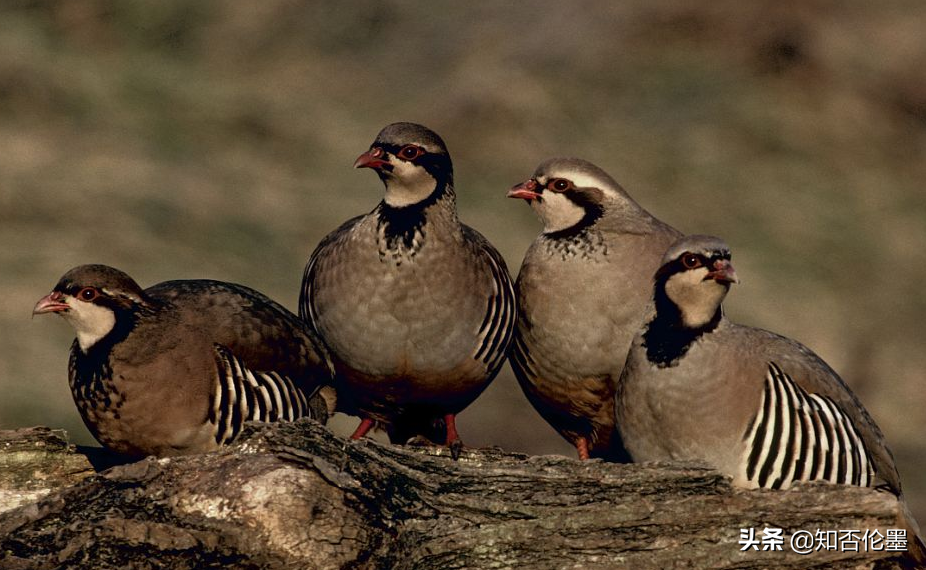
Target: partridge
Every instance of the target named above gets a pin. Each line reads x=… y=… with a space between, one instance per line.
x=179 y=367
x=581 y=293
x=759 y=407
x=416 y=308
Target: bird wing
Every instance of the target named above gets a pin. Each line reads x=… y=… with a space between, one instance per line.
x=801 y=436
x=810 y=425
x=241 y=395
x=307 y=310
x=254 y=327
x=497 y=325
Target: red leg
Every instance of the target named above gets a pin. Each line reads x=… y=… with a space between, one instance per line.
x=450 y=420
x=582 y=448
x=365 y=425
x=453 y=438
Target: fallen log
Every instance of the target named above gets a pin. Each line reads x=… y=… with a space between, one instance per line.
x=294 y=495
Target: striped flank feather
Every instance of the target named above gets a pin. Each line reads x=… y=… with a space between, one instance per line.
x=496 y=328
x=521 y=360
x=799 y=436
x=306 y=302
x=242 y=395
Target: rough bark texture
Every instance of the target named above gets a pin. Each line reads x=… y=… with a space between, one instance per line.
x=296 y=496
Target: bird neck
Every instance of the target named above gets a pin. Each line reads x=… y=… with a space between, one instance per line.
x=667 y=338
x=402 y=228
x=91 y=369
x=580 y=240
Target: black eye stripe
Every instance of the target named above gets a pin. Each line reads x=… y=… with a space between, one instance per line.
x=396 y=150
x=435 y=162
x=677 y=265
x=412 y=150
x=714 y=256
x=84 y=293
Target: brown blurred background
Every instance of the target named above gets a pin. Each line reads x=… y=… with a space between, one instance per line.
x=182 y=139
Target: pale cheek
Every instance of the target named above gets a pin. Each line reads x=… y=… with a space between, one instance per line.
x=408 y=185
x=557 y=212
x=90 y=322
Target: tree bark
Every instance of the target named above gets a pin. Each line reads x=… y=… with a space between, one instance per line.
x=296 y=496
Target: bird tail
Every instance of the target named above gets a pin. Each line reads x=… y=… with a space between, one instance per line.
x=323 y=404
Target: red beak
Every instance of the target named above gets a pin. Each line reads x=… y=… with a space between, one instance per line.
x=723 y=272
x=371 y=159
x=50 y=303
x=525 y=191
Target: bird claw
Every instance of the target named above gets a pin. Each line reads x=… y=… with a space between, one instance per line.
x=456 y=448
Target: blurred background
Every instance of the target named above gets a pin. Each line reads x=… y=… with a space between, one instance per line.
x=181 y=139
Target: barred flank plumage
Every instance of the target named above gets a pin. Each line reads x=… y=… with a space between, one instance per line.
x=242 y=395
x=495 y=331
x=797 y=436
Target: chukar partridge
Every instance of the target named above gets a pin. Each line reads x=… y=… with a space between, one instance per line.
x=759 y=407
x=178 y=367
x=581 y=293
x=416 y=308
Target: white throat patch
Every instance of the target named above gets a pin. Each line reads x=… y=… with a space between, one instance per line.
x=408 y=184
x=696 y=298
x=91 y=322
x=557 y=212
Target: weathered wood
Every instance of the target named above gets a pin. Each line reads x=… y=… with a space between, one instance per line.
x=36 y=461
x=296 y=496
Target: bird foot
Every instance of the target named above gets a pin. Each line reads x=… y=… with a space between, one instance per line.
x=455 y=447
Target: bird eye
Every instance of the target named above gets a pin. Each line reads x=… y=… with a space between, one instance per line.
x=411 y=152
x=559 y=184
x=691 y=261
x=87 y=294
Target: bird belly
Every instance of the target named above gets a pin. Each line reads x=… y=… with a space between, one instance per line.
x=406 y=334
x=680 y=414
x=139 y=429
x=576 y=407
x=131 y=412
x=566 y=357
x=578 y=318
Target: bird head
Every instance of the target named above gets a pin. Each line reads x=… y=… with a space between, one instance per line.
x=92 y=299
x=695 y=276
x=411 y=160
x=569 y=193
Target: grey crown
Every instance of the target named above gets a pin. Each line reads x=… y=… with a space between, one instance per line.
x=416 y=307
x=581 y=291
x=179 y=367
